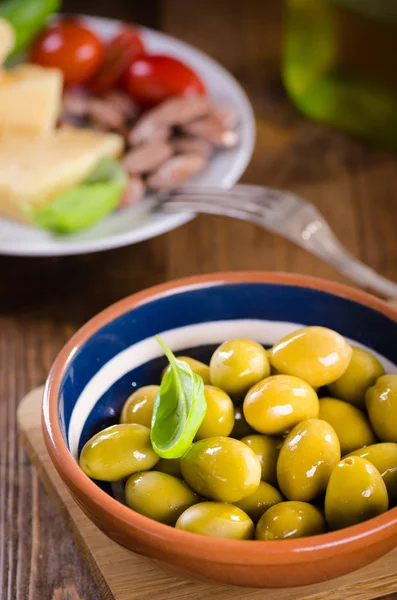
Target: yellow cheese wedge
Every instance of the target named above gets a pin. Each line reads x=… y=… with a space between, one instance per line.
x=7 y=39
x=30 y=99
x=35 y=169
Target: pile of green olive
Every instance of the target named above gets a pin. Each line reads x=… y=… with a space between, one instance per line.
x=296 y=441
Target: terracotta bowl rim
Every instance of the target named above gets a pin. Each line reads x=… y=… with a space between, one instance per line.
x=193 y=545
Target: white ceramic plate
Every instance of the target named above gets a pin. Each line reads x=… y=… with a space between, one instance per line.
x=133 y=225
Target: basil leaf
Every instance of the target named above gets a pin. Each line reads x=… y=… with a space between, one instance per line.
x=179 y=408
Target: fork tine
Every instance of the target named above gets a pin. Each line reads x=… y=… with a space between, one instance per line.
x=208 y=191
x=212 y=208
x=213 y=194
x=225 y=202
x=265 y=197
x=227 y=199
x=237 y=190
x=208 y=197
x=221 y=204
x=243 y=187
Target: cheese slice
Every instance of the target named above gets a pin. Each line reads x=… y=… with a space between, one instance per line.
x=35 y=169
x=7 y=39
x=30 y=99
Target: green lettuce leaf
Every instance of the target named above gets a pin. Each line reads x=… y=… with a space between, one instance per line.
x=85 y=204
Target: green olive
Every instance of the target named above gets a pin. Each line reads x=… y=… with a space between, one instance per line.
x=381 y=401
x=219 y=416
x=267 y=449
x=171 y=466
x=289 y=520
x=139 y=406
x=196 y=366
x=309 y=454
x=117 y=452
x=317 y=355
x=241 y=427
x=356 y=492
x=350 y=424
x=159 y=496
x=260 y=501
x=384 y=458
x=237 y=365
x=221 y=468
x=363 y=371
x=217 y=519
x=276 y=404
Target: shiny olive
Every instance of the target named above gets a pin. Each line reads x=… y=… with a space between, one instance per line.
x=221 y=468
x=350 y=424
x=384 y=458
x=117 y=452
x=276 y=404
x=289 y=520
x=217 y=519
x=159 y=496
x=237 y=365
x=356 y=492
x=381 y=401
x=219 y=416
x=241 y=427
x=171 y=466
x=363 y=371
x=309 y=454
x=267 y=449
x=197 y=367
x=315 y=354
x=260 y=501
x=138 y=408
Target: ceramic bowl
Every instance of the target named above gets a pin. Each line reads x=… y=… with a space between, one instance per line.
x=116 y=352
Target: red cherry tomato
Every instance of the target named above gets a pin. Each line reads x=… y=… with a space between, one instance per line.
x=153 y=78
x=119 y=53
x=71 y=47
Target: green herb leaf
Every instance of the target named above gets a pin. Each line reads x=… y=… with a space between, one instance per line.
x=106 y=170
x=179 y=408
x=85 y=204
x=27 y=17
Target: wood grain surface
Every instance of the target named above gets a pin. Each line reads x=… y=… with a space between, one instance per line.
x=122 y=575
x=43 y=301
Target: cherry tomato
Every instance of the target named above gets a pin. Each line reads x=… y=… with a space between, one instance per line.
x=71 y=47
x=153 y=78
x=119 y=53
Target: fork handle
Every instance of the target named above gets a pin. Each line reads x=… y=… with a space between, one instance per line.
x=323 y=243
x=326 y=247
x=364 y=276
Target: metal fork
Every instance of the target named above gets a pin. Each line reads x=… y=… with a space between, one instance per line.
x=280 y=212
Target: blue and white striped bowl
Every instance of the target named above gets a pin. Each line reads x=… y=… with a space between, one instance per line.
x=116 y=353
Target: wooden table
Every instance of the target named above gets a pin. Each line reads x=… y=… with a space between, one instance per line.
x=43 y=301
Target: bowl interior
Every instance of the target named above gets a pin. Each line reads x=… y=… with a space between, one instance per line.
x=123 y=355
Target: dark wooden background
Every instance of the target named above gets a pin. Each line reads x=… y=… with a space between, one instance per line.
x=43 y=301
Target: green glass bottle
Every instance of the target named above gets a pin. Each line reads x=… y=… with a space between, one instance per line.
x=340 y=64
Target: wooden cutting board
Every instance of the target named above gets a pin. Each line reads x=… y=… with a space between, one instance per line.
x=122 y=575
